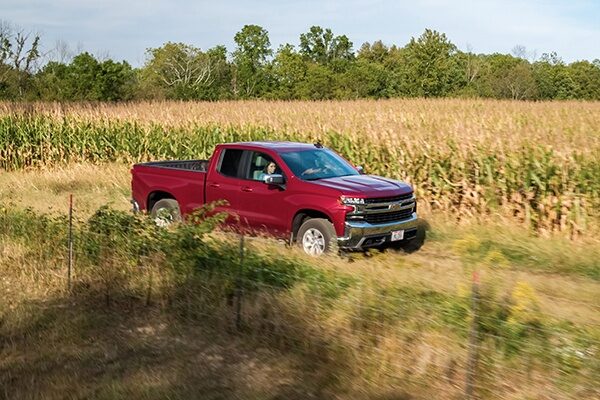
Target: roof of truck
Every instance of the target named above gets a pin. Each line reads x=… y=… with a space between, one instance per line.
x=279 y=146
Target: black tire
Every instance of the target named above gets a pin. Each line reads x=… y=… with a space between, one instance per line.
x=323 y=237
x=166 y=212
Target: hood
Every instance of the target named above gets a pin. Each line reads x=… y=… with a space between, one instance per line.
x=365 y=186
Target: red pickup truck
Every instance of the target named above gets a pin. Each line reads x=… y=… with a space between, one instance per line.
x=301 y=192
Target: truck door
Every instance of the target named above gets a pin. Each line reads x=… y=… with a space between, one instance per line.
x=263 y=206
x=227 y=181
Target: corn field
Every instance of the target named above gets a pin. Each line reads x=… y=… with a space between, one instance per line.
x=537 y=163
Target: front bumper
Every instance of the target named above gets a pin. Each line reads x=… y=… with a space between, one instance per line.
x=359 y=235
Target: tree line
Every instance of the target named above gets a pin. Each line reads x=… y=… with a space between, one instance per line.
x=322 y=66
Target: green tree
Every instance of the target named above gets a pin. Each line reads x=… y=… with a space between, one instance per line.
x=115 y=81
x=396 y=67
x=19 y=54
x=250 y=58
x=323 y=47
x=222 y=73
x=85 y=78
x=470 y=67
x=586 y=79
x=319 y=83
x=544 y=72
x=431 y=69
x=552 y=78
x=323 y=66
x=362 y=79
x=288 y=70
x=507 y=77
x=81 y=78
x=51 y=82
x=376 y=52
x=181 y=71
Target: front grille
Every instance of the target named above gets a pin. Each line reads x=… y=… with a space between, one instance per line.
x=381 y=218
x=389 y=199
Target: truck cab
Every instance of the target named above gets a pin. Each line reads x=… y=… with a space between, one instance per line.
x=306 y=193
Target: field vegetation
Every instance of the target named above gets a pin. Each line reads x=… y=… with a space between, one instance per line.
x=152 y=314
x=535 y=163
x=509 y=190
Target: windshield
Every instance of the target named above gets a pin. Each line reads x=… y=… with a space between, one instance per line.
x=316 y=164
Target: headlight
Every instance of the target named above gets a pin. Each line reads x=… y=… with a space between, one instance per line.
x=352 y=200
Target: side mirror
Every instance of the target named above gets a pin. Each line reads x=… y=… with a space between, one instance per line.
x=360 y=169
x=274 y=179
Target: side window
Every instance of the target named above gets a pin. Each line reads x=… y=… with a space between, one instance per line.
x=260 y=165
x=231 y=162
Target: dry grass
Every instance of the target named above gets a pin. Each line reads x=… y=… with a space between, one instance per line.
x=293 y=343
x=563 y=125
x=48 y=190
x=62 y=349
x=53 y=342
x=437 y=267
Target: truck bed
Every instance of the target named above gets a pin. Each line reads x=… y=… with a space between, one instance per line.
x=180 y=179
x=189 y=165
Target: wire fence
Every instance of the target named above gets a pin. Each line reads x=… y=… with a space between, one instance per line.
x=472 y=345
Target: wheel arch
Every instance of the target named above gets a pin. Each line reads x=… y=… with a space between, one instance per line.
x=157 y=195
x=302 y=215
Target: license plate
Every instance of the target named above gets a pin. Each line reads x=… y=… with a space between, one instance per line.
x=397 y=235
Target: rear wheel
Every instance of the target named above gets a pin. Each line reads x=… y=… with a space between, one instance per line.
x=166 y=212
x=316 y=236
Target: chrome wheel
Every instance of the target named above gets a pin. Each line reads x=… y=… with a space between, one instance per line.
x=313 y=242
x=166 y=212
x=163 y=217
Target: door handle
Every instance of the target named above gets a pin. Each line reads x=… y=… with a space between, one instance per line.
x=246 y=189
x=214 y=185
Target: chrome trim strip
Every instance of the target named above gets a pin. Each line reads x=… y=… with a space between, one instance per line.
x=412 y=198
x=388 y=208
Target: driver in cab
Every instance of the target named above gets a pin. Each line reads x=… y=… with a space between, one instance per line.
x=319 y=166
x=268 y=170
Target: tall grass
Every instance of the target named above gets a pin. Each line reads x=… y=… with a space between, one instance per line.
x=374 y=335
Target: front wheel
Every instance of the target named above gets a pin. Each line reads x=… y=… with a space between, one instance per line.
x=316 y=236
x=166 y=212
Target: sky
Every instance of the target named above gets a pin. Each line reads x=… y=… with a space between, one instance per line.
x=124 y=29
